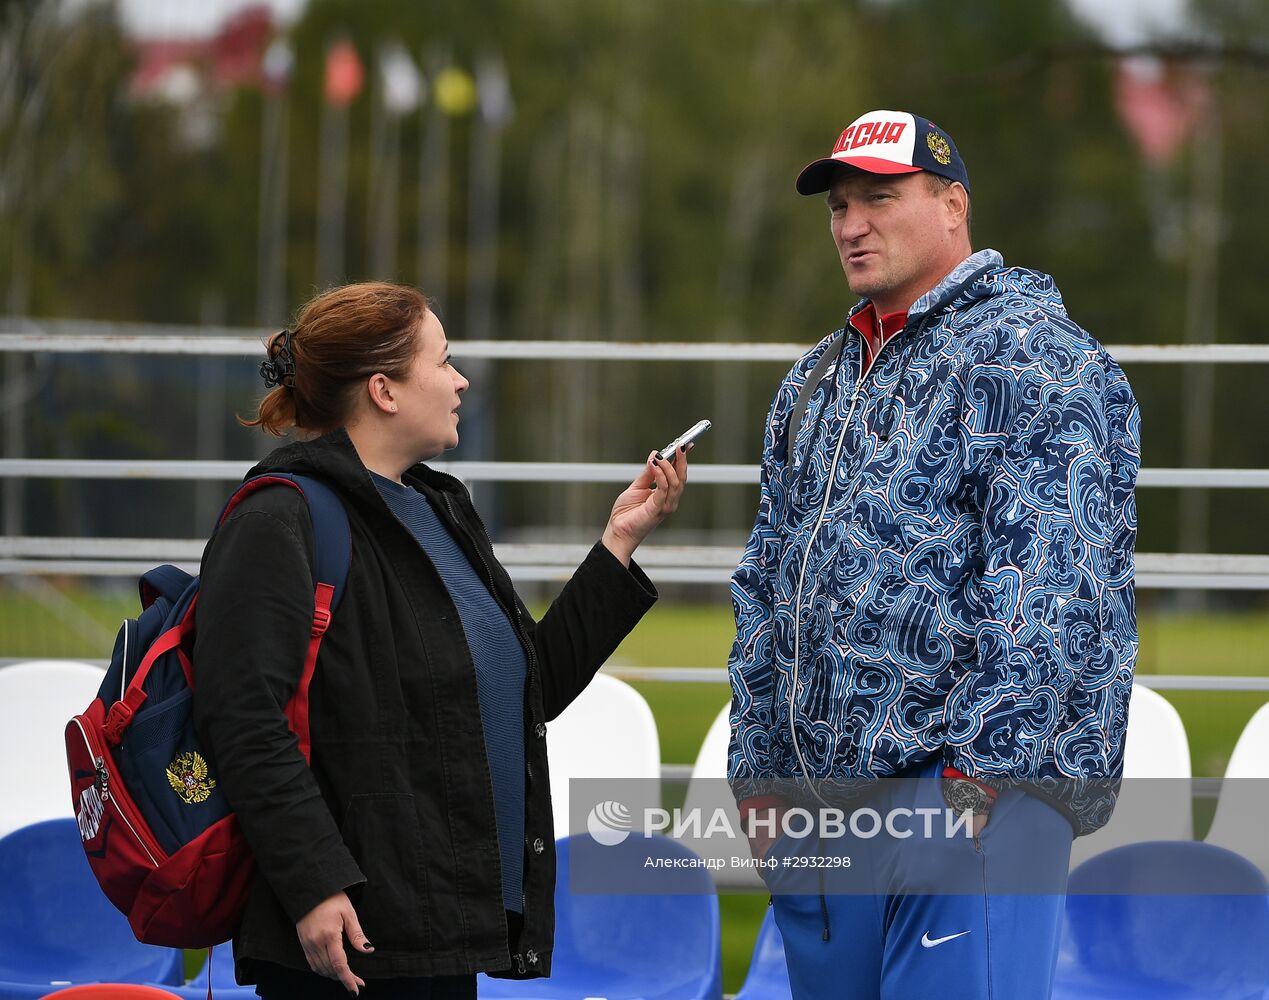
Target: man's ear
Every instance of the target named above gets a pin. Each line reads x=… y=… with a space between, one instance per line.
x=956 y=204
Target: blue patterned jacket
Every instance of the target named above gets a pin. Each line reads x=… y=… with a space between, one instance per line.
x=967 y=588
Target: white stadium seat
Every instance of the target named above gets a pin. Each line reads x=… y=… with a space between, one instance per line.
x=1157 y=748
x=1242 y=812
x=37 y=700
x=608 y=733
x=708 y=791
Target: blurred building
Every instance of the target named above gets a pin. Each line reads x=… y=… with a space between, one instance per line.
x=193 y=72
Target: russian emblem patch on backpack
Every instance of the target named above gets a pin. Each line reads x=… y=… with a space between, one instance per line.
x=159 y=835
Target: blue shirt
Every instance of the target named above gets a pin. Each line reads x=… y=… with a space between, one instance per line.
x=501 y=669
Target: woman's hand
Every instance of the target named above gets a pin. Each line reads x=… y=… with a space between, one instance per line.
x=642 y=507
x=322 y=931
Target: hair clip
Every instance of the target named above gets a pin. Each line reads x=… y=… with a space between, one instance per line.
x=280 y=368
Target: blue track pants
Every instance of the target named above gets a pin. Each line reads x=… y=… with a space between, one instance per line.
x=961 y=917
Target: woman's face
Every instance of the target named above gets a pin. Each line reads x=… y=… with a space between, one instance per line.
x=428 y=397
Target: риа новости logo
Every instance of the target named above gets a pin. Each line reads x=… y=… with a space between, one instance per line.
x=609 y=823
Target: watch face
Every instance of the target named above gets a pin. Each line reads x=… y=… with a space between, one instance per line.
x=964 y=796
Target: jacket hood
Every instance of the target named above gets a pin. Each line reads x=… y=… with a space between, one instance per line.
x=983 y=275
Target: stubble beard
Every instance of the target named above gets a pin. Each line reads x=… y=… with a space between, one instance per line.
x=868 y=286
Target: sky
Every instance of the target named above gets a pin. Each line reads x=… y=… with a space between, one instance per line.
x=1120 y=22
x=184 y=18
x=1129 y=22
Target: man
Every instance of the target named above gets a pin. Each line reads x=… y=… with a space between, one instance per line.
x=938 y=587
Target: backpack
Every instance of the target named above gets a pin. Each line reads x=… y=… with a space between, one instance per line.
x=159 y=835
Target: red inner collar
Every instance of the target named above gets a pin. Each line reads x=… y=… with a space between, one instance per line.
x=865 y=321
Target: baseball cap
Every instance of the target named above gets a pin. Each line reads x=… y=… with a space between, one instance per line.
x=887 y=142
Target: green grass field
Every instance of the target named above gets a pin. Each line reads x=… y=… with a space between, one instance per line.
x=81 y=624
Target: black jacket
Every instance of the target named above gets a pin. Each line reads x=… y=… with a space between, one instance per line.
x=397 y=805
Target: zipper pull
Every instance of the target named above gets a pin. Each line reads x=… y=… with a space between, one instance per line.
x=103 y=776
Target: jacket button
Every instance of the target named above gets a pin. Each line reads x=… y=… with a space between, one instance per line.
x=540 y=730
x=538 y=846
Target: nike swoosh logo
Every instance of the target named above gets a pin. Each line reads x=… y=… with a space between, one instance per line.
x=928 y=942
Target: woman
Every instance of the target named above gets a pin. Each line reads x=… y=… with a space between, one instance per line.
x=420 y=834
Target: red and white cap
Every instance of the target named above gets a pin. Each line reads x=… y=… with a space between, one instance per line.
x=887 y=142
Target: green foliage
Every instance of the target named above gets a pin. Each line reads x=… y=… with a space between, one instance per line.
x=60 y=78
x=645 y=192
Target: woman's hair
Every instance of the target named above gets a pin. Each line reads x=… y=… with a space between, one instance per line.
x=338 y=340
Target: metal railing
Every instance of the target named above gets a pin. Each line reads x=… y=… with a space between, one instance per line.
x=34 y=336
x=696 y=564
x=709 y=565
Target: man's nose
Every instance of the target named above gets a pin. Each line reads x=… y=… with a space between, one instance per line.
x=852 y=225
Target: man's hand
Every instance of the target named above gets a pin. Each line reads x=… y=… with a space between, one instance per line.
x=322 y=931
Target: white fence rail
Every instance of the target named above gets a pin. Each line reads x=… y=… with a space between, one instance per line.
x=37 y=336
x=40 y=556
x=700 y=564
x=525 y=472
x=1159 y=682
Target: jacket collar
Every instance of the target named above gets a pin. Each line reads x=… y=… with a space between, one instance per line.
x=941 y=295
x=333 y=458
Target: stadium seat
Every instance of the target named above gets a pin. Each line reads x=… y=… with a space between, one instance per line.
x=37 y=699
x=1165 y=921
x=607 y=735
x=1242 y=812
x=1156 y=809
x=708 y=791
x=56 y=926
x=768 y=976
x=114 y=991
x=221 y=973
x=660 y=942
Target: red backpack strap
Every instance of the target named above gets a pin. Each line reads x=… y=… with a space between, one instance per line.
x=122 y=711
x=297 y=710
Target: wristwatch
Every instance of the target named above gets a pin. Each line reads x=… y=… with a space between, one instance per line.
x=963 y=795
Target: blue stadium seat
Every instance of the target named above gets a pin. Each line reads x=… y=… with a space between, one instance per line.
x=1165 y=920
x=768 y=977
x=222 y=978
x=57 y=928
x=662 y=945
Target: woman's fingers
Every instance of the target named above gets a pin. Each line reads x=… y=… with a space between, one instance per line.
x=644 y=480
x=321 y=933
x=659 y=465
x=670 y=478
x=337 y=962
x=676 y=479
x=680 y=463
x=311 y=957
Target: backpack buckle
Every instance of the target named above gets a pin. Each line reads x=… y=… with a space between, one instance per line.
x=117 y=719
x=321 y=621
